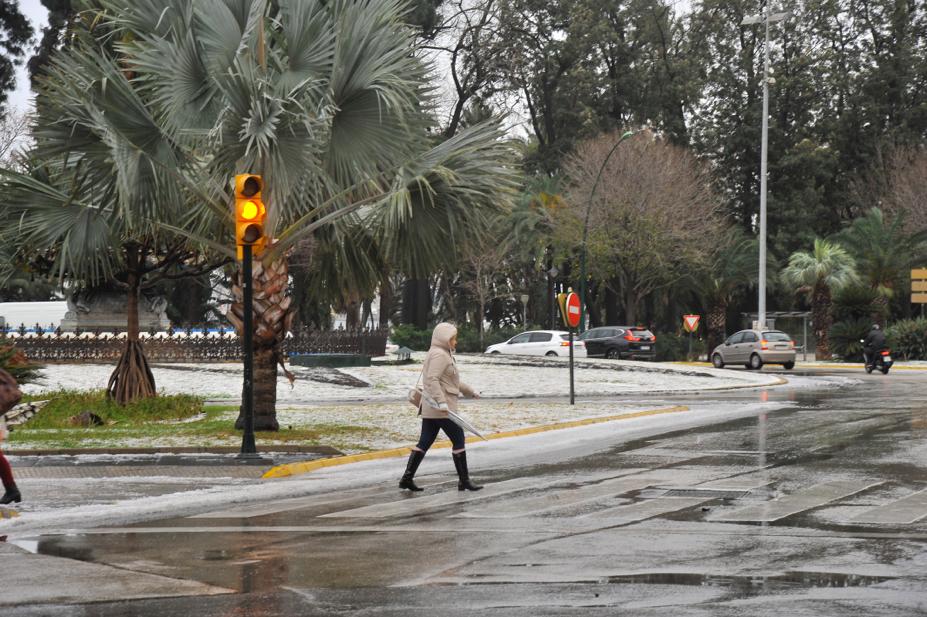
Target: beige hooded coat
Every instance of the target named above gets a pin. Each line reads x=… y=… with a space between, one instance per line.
x=440 y=380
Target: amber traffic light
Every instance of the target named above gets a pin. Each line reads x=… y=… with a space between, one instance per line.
x=250 y=213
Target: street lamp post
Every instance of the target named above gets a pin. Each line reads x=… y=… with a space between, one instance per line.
x=582 y=258
x=766 y=18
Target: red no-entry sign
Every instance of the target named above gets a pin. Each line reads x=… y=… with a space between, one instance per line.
x=572 y=310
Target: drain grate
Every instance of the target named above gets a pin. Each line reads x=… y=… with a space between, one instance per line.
x=707 y=493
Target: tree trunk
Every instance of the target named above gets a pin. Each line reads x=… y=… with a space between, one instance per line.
x=265 y=390
x=821 y=316
x=612 y=316
x=132 y=378
x=352 y=315
x=716 y=320
x=273 y=318
x=386 y=302
x=416 y=303
x=630 y=308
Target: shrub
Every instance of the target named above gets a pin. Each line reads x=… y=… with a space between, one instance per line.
x=908 y=339
x=858 y=302
x=845 y=335
x=407 y=335
x=672 y=347
x=18 y=365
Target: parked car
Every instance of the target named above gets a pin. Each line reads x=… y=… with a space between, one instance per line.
x=539 y=343
x=754 y=348
x=630 y=342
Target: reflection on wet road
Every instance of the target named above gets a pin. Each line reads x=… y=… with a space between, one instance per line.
x=816 y=504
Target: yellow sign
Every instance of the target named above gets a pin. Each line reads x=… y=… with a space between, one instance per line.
x=919 y=286
x=561 y=302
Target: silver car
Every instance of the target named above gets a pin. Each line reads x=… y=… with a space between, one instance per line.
x=754 y=348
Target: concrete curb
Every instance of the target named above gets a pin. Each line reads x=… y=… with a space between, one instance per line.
x=833 y=365
x=292 y=469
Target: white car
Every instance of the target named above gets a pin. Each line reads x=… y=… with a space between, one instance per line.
x=540 y=343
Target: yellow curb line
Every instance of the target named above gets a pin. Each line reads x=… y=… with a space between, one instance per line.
x=292 y=469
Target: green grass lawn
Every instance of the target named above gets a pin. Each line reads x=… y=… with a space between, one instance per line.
x=167 y=420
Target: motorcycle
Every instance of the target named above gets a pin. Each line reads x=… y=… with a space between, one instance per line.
x=882 y=361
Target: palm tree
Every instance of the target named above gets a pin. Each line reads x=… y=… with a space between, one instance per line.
x=88 y=204
x=326 y=99
x=821 y=272
x=734 y=265
x=884 y=253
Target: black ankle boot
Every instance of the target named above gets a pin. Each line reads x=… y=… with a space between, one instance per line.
x=12 y=494
x=415 y=459
x=463 y=475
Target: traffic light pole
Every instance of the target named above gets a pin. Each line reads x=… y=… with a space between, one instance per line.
x=248 y=447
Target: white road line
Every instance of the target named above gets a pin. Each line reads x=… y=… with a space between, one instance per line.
x=414 y=504
x=804 y=499
x=648 y=508
x=565 y=498
x=903 y=511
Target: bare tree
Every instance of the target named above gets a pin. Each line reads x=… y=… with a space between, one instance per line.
x=906 y=190
x=649 y=217
x=14 y=134
x=483 y=254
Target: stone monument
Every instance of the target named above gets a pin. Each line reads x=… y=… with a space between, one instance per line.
x=105 y=309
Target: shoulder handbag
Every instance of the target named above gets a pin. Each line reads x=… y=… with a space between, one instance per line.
x=415 y=394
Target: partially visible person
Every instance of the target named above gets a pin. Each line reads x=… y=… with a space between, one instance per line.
x=874 y=343
x=10 y=394
x=441 y=388
x=10 y=490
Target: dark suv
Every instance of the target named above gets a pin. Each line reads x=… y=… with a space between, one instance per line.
x=629 y=342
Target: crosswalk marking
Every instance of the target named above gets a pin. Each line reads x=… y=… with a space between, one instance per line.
x=903 y=511
x=804 y=499
x=414 y=504
x=648 y=508
x=556 y=500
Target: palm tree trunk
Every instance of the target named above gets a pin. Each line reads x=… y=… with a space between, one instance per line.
x=715 y=323
x=880 y=309
x=132 y=378
x=273 y=318
x=822 y=318
x=265 y=390
x=386 y=302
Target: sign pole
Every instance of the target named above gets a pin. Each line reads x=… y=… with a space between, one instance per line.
x=248 y=447
x=572 y=393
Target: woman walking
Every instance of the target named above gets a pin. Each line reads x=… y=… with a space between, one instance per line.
x=441 y=389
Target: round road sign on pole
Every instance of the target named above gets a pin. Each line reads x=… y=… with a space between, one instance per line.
x=572 y=309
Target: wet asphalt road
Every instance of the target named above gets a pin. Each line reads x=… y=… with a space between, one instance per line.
x=814 y=505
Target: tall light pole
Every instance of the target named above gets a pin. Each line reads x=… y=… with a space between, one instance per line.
x=766 y=18
x=582 y=257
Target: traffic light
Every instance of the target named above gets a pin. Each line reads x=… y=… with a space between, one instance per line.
x=249 y=213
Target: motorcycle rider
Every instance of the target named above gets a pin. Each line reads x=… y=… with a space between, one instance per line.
x=874 y=343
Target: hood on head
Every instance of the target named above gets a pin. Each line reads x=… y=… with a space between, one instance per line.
x=442 y=335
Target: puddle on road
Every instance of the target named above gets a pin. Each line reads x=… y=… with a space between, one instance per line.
x=754 y=585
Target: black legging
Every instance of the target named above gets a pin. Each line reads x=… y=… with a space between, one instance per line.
x=430 y=428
